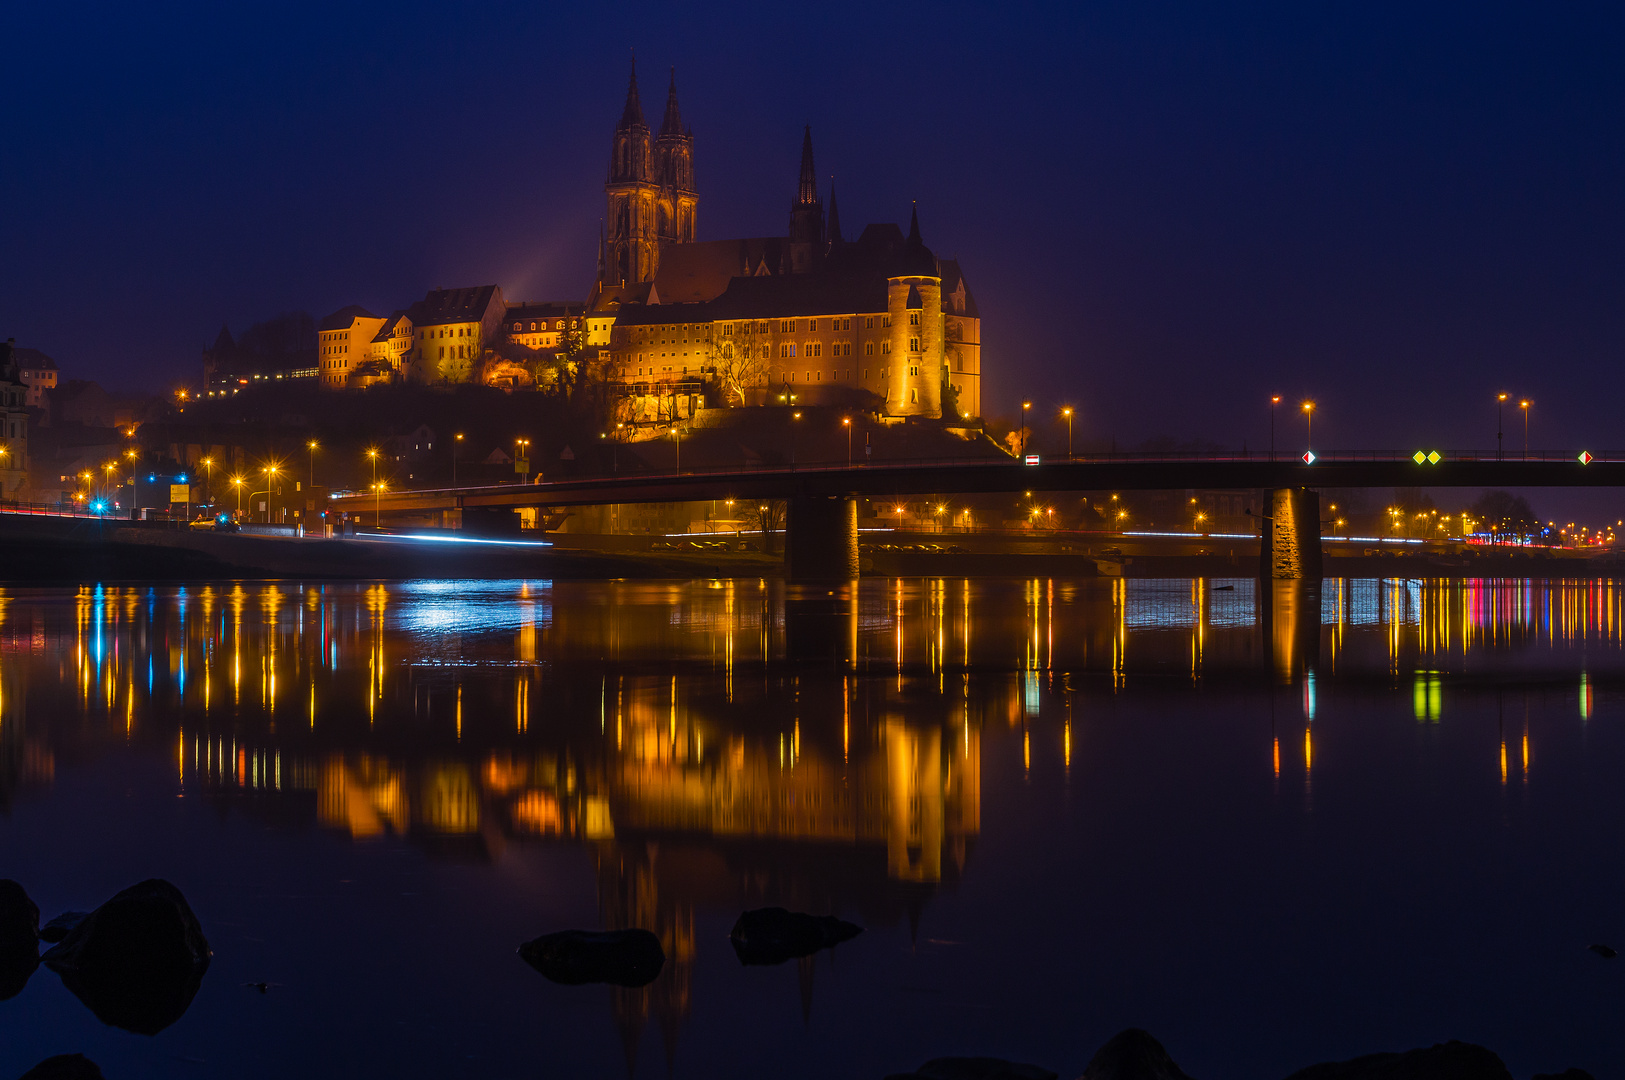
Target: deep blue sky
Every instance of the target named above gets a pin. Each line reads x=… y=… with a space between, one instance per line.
x=1167 y=211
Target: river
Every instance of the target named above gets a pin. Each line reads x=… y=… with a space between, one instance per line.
x=1271 y=829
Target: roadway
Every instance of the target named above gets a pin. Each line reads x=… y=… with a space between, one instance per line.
x=983 y=477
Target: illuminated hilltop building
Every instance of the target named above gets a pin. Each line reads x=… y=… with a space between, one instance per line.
x=807 y=315
x=677 y=324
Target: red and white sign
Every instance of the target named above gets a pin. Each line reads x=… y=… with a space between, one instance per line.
x=1032 y=459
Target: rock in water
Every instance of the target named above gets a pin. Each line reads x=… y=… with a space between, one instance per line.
x=574 y=957
x=774 y=935
x=137 y=960
x=19 y=938
x=64 y=1067
x=975 y=1068
x=1443 y=1061
x=61 y=926
x=1132 y=1054
x=1607 y=952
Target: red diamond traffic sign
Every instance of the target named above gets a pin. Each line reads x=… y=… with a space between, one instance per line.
x=1585 y=457
x=1308 y=457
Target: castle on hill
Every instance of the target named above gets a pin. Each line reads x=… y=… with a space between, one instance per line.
x=676 y=324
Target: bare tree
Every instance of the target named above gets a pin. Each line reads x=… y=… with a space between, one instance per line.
x=738 y=368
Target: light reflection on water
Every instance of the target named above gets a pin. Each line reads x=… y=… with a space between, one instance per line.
x=698 y=747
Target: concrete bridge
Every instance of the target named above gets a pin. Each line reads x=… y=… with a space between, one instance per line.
x=822 y=532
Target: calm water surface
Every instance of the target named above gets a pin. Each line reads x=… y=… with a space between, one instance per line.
x=1273 y=829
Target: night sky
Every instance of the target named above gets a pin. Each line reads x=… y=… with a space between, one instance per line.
x=1167 y=211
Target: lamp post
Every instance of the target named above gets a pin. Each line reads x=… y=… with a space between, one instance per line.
x=1309 y=425
x=1067 y=412
x=377 y=512
x=456 y=443
x=270 y=488
x=208 y=477
x=677 y=437
x=1500 y=403
x=794 y=417
x=1026 y=406
x=237 y=482
x=846 y=422
x=311 y=446
x=1524 y=405
x=522 y=453
x=1274 y=401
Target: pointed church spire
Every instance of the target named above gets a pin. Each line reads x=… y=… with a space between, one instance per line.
x=807 y=191
x=632 y=115
x=835 y=236
x=673 y=124
x=914 y=225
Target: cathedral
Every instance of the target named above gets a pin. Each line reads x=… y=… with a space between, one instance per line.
x=876 y=323
x=806 y=316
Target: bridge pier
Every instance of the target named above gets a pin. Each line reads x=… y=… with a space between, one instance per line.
x=821 y=538
x=1290 y=546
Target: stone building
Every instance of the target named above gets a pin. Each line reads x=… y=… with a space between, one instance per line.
x=344 y=342
x=13 y=425
x=806 y=316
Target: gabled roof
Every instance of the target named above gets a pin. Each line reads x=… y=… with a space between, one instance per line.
x=32 y=360
x=344 y=318
x=441 y=306
x=387 y=331
x=953 y=284
x=611 y=297
x=689 y=273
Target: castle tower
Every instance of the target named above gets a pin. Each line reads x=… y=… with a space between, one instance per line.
x=806 y=214
x=674 y=172
x=914 y=304
x=630 y=194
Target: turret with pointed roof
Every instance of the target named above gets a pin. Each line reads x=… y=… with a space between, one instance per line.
x=835 y=238
x=806 y=214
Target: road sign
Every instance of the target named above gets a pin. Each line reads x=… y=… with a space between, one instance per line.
x=179 y=493
x=1585 y=457
x=1032 y=459
x=1434 y=457
x=1308 y=457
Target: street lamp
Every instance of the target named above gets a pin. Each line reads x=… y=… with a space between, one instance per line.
x=522 y=453
x=372 y=453
x=677 y=437
x=377 y=513
x=1067 y=412
x=1500 y=402
x=1026 y=406
x=1524 y=405
x=237 y=482
x=846 y=422
x=456 y=441
x=794 y=417
x=311 y=446
x=1309 y=425
x=1274 y=401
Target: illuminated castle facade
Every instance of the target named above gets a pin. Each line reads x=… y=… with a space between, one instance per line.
x=806 y=316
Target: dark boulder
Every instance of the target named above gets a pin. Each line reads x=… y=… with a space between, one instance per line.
x=774 y=935
x=64 y=1067
x=1442 y=1061
x=61 y=926
x=574 y=957
x=19 y=938
x=137 y=960
x=975 y=1068
x=1132 y=1054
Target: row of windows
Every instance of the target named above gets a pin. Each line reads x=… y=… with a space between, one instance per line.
x=460 y=331
x=793 y=326
x=558 y=324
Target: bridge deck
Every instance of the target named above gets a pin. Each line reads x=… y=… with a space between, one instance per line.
x=893 y=481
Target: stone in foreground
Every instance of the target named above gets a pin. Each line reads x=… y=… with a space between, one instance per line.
x=575 y=957
x=774 y=935
x=1132 y=1054
x=1443 y=1061
x=61 y=926
x=19 y=938
x=64 y=1067
x=137 y=960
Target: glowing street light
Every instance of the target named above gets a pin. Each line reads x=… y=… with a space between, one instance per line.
x=1066 y=411
x=456 y=444
x=846 y=422
x=1500 y=402
x=237 y=482
x=1026 y=406
x=1274 y=401
x=1309 y=425
x=1524 y=405
x=311 y=446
